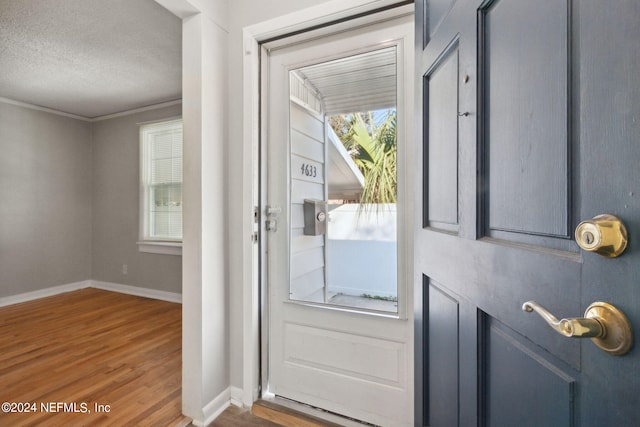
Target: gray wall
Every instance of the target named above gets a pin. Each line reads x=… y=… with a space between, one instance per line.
x=69 y=203
x=45 y=200
x=115 y=207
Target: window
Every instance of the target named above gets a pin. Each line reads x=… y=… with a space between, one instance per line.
x=161 y=187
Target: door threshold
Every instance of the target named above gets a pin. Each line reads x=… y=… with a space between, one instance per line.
x=289 y=413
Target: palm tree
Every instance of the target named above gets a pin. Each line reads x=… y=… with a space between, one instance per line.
x=373 y=147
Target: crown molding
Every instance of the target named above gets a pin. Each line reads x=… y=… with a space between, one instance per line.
x=89 y=119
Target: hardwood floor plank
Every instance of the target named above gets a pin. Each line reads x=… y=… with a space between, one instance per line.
x=92 y=347
x=233 y=417
x=286 y=417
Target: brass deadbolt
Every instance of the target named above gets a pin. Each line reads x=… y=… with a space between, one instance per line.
x=604 y=234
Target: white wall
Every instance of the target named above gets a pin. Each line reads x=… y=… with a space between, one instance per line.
x=205 y=299
x=205 y=340
x=362 y=250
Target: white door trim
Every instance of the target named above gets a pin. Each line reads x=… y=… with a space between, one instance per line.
x=313 y=17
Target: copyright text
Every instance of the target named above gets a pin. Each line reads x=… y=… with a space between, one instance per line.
x=54 y=407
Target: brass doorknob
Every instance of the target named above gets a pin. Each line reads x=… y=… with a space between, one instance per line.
x=606 y=325
x=604 y=234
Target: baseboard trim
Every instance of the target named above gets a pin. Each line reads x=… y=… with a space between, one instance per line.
x=137 y=291
x=106 y=286
x=43 y=293
x=213 y=409
x=236 y=396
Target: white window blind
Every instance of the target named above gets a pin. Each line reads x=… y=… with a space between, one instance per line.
x=161 y=181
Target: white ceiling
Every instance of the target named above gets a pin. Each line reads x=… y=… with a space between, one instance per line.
x=357 y=83
x=89 y=57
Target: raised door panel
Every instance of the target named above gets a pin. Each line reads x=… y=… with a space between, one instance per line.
x=443 y=345
x=357 y=356
x=525 y=120
x=441 y=141
x=438 y=10
x=523 y=386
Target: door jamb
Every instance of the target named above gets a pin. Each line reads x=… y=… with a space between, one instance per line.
x=334 y=11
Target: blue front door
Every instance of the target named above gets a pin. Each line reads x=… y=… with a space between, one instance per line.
x=530 y=124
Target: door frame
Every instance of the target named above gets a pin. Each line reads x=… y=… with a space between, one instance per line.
x=294 y=24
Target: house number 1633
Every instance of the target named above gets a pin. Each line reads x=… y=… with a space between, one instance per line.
x=308 y=170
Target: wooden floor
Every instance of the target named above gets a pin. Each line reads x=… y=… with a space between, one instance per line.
x=283 y=416
x=70 y=353
x=234 y=416
x=267 y=414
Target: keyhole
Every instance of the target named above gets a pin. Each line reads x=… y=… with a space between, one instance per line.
x=588 y=237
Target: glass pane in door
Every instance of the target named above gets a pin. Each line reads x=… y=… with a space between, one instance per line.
x=343 y=178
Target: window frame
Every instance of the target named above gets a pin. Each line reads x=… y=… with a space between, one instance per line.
x=147 y=243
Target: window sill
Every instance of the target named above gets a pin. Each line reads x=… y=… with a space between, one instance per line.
x=163 y=248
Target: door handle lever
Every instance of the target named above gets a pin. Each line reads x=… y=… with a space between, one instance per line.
x=574 y=327
x=606 y=325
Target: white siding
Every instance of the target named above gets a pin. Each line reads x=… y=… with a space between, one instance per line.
x=308 y=153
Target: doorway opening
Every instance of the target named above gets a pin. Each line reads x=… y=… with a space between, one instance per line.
x=343 y=248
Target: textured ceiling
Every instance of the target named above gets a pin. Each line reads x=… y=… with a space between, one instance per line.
x=89 y=57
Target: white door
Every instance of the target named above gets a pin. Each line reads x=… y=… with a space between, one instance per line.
x=339 y=355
